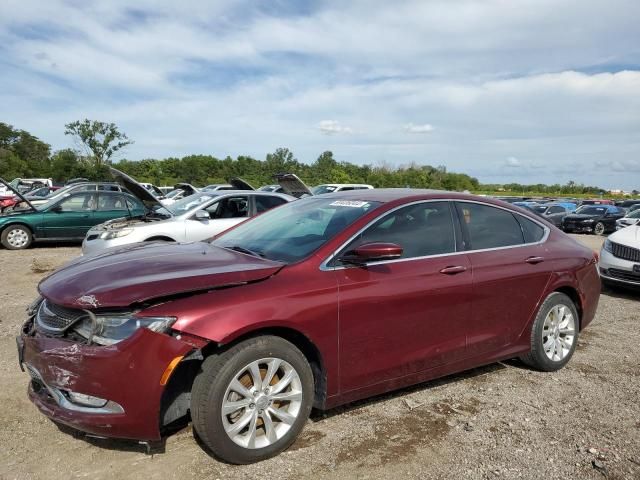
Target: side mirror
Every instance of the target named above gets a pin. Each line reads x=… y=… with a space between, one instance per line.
x=372 y=252
x=202 y=215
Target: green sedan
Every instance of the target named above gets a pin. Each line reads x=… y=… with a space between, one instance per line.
x=68 y=218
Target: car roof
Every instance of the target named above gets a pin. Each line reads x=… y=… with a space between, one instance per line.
x=385 y=195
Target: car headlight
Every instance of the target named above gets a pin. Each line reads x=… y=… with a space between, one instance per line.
x=109 y=234
x=608 y=246
x=588 y=220
x=111 y=329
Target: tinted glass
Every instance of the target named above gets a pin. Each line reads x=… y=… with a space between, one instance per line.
x=555 y=210
x=531 y=230
x=490 y=227
x=297 y=229
x=421 y=230
x=109 y=188
x=589 y=210
x=79 y=203
x=264 y=203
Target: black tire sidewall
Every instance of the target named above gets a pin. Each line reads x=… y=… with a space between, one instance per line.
x=5 y=234
x=542 y=361
x=227 y=366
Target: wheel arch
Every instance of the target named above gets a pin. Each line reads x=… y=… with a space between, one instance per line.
x=297 y=338
x=573 y=294
x=20 y=223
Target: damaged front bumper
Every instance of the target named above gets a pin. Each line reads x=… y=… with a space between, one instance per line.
x=107 y=391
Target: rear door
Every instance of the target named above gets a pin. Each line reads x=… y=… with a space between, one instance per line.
x=72 y=217
x=509 y=273
x=110 y=206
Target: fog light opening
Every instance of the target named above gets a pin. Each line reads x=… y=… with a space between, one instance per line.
x=85 y=400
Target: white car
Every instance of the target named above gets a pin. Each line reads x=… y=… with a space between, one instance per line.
x=196 y=217
x=339 y=187
x=180 y=191
x=632 y=218
x=620 y=258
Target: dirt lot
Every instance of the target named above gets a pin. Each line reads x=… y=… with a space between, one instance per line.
x=501 y=421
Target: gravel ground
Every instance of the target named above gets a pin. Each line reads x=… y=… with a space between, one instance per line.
x=500 y=421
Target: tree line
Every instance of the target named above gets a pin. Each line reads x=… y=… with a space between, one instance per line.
x=24 y=155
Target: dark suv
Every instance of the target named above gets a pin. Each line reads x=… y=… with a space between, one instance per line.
x=598 y=219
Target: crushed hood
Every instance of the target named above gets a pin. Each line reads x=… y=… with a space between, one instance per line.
x=144 y=195
x=142 y=272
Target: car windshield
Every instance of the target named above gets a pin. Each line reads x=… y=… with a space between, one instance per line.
x=634 y=214
x=587 y=210
x=320 y=189
x=174 y=193
x=294 y=231
x=188 y=203
x=540 y=208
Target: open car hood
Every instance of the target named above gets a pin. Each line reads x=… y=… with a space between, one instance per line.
x=145 y=271
x=240 y=184
x=144 y=195
x=18 y=194
x=292 y=185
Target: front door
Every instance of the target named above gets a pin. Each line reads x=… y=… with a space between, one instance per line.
x=223 y=214
x=404 y=316
x=70 y=218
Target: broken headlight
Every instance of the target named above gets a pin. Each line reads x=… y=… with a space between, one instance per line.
x=110 y=329
x=109 y=234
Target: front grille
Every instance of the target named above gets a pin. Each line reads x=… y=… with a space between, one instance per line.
x=624 y=252
x=624 y=275
x=52 y=318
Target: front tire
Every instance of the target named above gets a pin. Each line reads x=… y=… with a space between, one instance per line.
x=554 y=334
x=16 y=237
x=599 y=228
x=250 y=402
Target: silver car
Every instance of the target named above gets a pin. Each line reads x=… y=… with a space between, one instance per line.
x=620 y=258
x=196 y=217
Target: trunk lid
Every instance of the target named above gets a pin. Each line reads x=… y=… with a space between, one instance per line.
x=292 y=185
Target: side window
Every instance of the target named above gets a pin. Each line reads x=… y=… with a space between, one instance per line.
x=264 y=203
x=489 y=227
x=79 y=203
x=556 y=210
x=422 y=229
x=231 y=207
x=109 y=188
x=532 y=231
x=344 y=189
x=111 y=202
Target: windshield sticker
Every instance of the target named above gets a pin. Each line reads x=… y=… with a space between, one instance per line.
x=349 y=203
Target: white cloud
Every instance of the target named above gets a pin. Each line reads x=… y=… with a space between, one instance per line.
x=512 y=162
x=332 y=127
x=411 y=128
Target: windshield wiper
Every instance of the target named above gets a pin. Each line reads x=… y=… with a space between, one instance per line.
x=240 y=249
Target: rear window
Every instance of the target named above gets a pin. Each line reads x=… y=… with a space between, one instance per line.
x=532 y=231
x=489 y=227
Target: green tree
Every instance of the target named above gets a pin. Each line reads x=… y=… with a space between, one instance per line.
x=99 y=139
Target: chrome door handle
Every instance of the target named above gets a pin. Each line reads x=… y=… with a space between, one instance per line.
x=534 y=260
x=453 y=270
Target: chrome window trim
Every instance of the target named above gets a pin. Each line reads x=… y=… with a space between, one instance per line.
x=324 y=266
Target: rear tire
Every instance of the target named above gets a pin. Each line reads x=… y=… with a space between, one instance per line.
x=16 y=237
x=243 y=418
x=554 y=334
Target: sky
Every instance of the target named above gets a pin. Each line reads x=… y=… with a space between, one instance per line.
x=505 y=90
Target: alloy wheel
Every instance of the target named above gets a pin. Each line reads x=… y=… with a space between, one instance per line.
x=261 y=403
x=599 y=229
x=558 y=333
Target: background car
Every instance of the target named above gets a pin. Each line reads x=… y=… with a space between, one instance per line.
x=76 y=187
x=598 y=219
x=317 y=303
x=196 y=217
x=339 y=187
x=180 y=191
x=554 y=212
x=67 y=218
x=620 y=258
x=631 y=218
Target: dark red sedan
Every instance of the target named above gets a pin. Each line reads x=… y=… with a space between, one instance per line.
x=319 y=302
